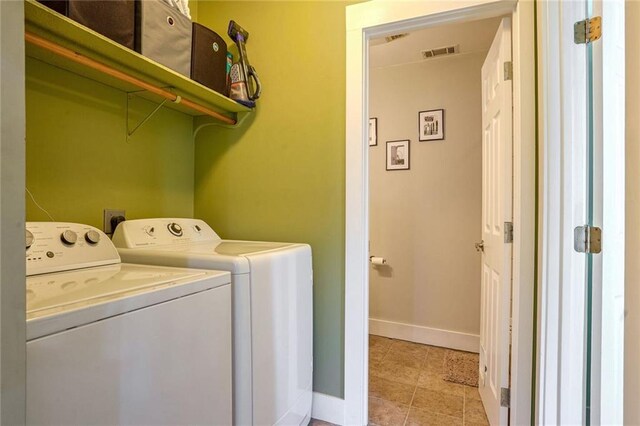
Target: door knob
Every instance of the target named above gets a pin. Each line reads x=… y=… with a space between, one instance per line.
x=480 y=246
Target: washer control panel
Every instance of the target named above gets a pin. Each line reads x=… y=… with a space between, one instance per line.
x=61 y=246
x=175 y=229
x=161 y=232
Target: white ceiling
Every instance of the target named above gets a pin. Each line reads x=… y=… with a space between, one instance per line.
x=474 y=36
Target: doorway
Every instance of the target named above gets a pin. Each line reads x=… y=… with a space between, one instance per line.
x=368 y=21
x=435 y=97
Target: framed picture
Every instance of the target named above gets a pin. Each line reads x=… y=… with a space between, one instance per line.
x=373 y=131
x=431 y=125
x=398 y=155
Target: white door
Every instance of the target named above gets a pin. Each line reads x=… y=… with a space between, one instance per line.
x=496 y=212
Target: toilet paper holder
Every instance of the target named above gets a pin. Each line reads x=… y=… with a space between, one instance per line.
x=377 y=261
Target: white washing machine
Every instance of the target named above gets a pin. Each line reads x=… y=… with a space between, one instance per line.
x=272 y=310
x=120 y=344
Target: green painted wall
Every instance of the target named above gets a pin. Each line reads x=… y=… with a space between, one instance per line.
x=281 y=176
x=79 y=160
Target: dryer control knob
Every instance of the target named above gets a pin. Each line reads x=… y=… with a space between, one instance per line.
x=175 y=229
x=69 y=237
x=29 y=239
x=92 y=237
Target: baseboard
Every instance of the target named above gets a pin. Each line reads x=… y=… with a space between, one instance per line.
x=327 y=408
x=425 y=335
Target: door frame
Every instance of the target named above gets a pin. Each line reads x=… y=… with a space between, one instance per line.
x=377 y=18
x=563 y=338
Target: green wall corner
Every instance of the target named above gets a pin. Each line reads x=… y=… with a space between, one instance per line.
x=280 y=177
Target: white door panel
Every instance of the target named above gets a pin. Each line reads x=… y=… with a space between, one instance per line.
x=496 y=210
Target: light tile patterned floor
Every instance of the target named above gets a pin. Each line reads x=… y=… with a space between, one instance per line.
x=406 y=388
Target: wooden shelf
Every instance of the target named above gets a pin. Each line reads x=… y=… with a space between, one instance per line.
x=52 y=26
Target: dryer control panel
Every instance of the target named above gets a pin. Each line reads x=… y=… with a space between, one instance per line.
x=61 y=246
x=161 y=232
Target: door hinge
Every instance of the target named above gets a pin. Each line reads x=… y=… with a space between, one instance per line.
x=508 y=71
x=508 y=232
x=587 y=31
x=587 y=239
x=505 y=397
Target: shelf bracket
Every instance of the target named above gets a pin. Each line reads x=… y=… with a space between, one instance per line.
x=203 y=121
x=147 y=118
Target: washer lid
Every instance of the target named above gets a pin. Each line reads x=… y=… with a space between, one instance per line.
x=67 y=299
x=229 y=247
x=226 y=255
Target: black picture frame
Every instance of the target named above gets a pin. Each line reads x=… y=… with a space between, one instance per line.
x=398 y=159
x=429 y=119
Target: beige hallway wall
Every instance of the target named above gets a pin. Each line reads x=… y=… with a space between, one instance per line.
x=632 y=266
x=425 y=220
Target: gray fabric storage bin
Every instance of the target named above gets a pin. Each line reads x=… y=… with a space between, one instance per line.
x=163 y=34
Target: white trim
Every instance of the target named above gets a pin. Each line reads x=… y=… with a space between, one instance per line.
x=425 y=335
x=327 y=408
x=376 y=18
x=608 y=269
x=410 y=15
x=550 y=226
x=524 y=213
x=356 y=292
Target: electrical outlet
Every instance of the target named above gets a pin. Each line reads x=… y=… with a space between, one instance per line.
x=106 y=223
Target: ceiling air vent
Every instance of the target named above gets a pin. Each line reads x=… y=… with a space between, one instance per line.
x=440 y=51
x=393 y=37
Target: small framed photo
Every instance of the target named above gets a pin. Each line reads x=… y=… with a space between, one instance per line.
x=431 y=125
x=398 y=155
x=373 y=131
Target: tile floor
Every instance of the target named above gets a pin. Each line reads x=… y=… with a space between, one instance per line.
x=406 y=387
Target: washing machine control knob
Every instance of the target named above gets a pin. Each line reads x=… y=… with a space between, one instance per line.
x=175 y=229
x=29 y=239
x=69 y=237
x=92 y=237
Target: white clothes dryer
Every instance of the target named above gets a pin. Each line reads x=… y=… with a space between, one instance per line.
x=272 y=287
x=114 y=343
